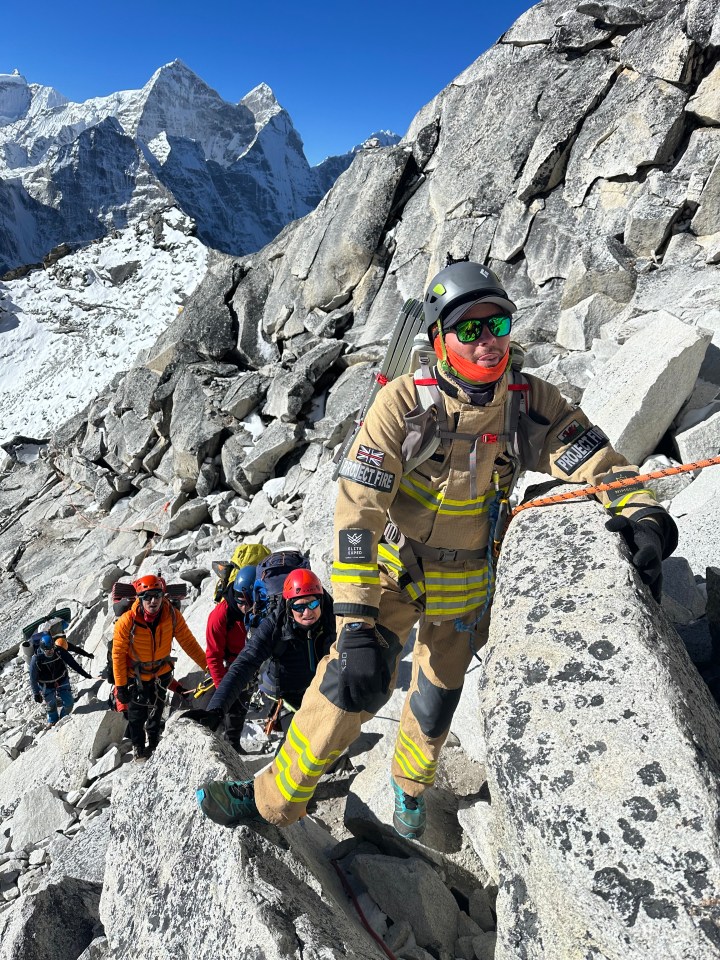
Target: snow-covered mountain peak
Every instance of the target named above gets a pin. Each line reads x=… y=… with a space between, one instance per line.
x=45 y=98
x=262 y=103
x=15 y=97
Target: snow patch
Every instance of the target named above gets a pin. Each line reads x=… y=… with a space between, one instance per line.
x=65 y=332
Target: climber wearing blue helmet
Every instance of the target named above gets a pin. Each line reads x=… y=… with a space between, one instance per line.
x=225 y=637
x=49 y=678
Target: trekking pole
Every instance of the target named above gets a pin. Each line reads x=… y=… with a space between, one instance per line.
x=618 y=484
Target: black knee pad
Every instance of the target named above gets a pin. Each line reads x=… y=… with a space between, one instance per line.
x=433 y=707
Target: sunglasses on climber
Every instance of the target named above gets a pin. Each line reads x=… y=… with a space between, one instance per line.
x=152 y=595
x=302 y=607
x=468 y=331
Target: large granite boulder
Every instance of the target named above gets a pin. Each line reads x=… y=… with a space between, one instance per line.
x=638 y=392
x=603 y=754
x=275 y=891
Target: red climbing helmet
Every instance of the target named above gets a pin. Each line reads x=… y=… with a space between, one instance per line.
x=302 y=583
x=149 y=582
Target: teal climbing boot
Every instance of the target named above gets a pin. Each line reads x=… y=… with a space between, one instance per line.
x=409 y=816
x=228 y=802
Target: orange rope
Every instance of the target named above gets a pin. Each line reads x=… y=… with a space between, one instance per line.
x=617 y=484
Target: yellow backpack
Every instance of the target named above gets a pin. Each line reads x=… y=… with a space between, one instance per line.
x=246 y=555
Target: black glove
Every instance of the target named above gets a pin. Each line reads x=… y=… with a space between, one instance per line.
x=364 y=675
x=207 y=718
x=180 y=690
x=38 y=697
x=645 y=542
x=123 y=695
x=90 y=656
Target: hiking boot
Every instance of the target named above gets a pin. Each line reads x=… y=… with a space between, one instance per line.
x=409 y=816
x=228 y=802
x=152 y=745
x=140 y=754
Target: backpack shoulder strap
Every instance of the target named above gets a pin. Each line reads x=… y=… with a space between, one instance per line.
x=516 y=403
x=431 y=405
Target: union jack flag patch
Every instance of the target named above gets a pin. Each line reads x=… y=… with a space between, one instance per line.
x=370 y=455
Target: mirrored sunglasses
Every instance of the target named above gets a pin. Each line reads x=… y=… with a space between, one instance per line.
x=468 y=331
x=152 y=595
x=301 y=607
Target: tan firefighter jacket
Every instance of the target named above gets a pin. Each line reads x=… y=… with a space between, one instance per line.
x=435 y=505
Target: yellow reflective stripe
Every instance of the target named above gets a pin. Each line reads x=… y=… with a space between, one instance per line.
x=417 y=753
x=435 y=501
x=308 y=763
x=446 y=607
x=452 y=579
x=619 y=504
x=301 y=744
x=415 y=590
x=410 y=771
x=366 y=573
x=414 y=764
x=389 y=556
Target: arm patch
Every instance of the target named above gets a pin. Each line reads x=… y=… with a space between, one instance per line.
x=580 y=452
x=367 y=476
x=355 y=544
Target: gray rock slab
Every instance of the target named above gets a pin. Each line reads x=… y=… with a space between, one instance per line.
x=478 y=820
x=697 y=513
x=562 y=114
x=197 y=424
x=637 y=393
x=665 y=488
x=62 y=757
x=106 y=764
x=84 y=856
x=287 y=395
x=244 y=394
x=679 y=584
x=639 y=123
x=603 y=752
x=662 y=50
x=260 y=461
x=700 y=441
x=257 y=886
x=57 y=921
x=410 y=889
x=39 y=814
x=705 y=102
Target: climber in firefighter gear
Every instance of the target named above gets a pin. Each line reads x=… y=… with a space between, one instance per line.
x=418 y=506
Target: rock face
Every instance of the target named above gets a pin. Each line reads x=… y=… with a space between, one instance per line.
x=603 y=775
x=253 y=885
x=599 y=823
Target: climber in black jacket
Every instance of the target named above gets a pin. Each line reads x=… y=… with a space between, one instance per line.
x=293 y=638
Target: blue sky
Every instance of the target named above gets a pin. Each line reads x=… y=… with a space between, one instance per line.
x=340 y=70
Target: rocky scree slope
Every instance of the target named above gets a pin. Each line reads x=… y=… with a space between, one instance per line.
x=600 y=215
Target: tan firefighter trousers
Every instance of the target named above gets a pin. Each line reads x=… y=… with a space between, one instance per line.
x=320 y=730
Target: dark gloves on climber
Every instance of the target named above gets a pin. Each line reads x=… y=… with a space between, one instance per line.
x=206 y=718
x=364 y=675
x=123 y=695
x=38 y=698
x=646 y=544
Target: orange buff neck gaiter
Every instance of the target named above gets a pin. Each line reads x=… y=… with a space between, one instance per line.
x=472 y=372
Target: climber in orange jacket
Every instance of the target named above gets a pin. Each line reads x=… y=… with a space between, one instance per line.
x=142 y=665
